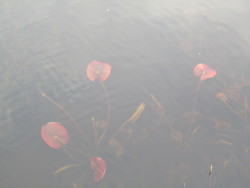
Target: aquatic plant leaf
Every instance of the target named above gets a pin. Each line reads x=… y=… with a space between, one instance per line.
x=195 y=130
x=65 y=167
x=98 y=71
x=54 y=134
x=222 y=96
x=210 y=170
x=203 y=71
x=99 y=167
x=132 y=119
x=225 y=142
x=160 y=110
x=137 y=113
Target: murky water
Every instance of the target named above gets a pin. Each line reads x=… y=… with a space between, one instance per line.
x=152 y=46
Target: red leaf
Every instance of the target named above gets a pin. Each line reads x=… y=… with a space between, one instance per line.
x=203 y=71
x=99 y=166
x=54 y=134
x=98 y=71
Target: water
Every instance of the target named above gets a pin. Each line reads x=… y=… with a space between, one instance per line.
x=152 y=46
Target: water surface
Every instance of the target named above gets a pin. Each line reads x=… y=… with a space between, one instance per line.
x=152 y=46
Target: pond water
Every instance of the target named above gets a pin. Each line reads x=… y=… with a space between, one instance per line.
x=184 y=137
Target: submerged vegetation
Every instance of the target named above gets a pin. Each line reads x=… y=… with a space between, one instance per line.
x=216 y=146
x=56 y=135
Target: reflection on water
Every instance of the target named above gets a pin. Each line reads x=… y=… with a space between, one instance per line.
x=45 y=46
